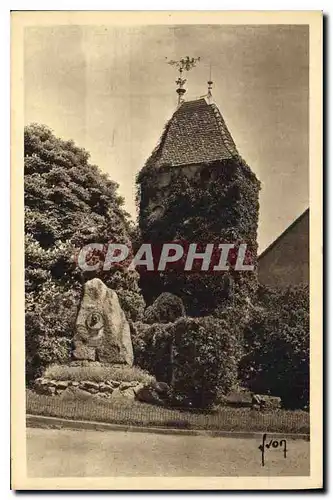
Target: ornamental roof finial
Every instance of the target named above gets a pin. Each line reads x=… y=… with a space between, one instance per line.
x=210 y=85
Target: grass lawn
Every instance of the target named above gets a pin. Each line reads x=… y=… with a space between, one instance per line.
x=130 y=412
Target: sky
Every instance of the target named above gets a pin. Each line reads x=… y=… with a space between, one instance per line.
x=110 y=89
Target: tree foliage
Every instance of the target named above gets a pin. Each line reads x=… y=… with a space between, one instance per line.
x=69 y=203
x=277 y=346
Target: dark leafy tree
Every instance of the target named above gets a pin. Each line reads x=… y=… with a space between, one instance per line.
x=69 y=203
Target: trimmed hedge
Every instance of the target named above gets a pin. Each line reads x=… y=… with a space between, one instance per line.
x=166 y=309
x=205 y=360
x=197 y=357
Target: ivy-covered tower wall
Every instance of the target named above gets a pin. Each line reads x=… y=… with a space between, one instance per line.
x=213 y=200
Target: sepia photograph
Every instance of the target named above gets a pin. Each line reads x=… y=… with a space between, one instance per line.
x=166 y=221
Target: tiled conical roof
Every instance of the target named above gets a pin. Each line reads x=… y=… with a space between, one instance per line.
x=196 y=133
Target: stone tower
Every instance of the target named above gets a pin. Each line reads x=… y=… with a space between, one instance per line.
x=196 y=187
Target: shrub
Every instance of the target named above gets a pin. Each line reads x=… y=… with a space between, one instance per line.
x=205 y=359
x=49 y=320
x=167 y=308
x=69 y=203
x=98 y=373
x=152 y=348
x=277 y=346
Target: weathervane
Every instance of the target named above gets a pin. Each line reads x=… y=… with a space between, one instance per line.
x=186 y=63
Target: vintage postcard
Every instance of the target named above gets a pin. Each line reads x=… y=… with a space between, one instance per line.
x=166 y=250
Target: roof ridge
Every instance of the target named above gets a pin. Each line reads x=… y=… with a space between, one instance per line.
x=224 y=130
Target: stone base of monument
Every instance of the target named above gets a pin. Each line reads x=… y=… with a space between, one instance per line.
x=152 y=392
x=105 y=390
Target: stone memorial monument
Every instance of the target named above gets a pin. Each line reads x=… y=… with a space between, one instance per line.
x=102 y=330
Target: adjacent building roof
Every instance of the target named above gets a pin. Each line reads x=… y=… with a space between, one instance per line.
x=286 y=261
x=196 y=133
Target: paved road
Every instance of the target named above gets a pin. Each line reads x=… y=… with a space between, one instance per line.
x=70 y=453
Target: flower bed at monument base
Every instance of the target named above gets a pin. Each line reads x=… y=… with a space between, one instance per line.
x=97 y=372
x=131 y=412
